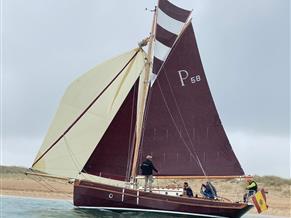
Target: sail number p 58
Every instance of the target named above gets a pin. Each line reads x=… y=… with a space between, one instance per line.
x=184 y=75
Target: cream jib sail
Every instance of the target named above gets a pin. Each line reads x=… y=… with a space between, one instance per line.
x=66 y=154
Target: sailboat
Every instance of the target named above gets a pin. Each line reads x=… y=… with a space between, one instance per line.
x=139 y=103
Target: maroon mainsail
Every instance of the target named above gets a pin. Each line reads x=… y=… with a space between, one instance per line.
x=182 y=129
x=112 y=156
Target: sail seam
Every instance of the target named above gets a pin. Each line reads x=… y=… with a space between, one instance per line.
x=74 y=159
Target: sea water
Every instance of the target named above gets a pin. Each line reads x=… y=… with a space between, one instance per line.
x=14 y=207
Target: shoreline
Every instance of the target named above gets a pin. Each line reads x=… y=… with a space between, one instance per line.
x=27 y=186
x=37 y=194
x=21 y=186
x=34 y=197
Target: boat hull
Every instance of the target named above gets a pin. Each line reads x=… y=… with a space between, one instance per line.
x=89 y=194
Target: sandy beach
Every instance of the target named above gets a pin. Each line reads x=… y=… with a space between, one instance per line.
x=18 y=184
x=35 y=188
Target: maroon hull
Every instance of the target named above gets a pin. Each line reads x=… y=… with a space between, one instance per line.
x=98 y=195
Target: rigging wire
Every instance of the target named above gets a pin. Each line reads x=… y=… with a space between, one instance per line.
x=185 y=129
x=184 y=125
x=48 y=186
x=73 y=158
x=145 y=118
x=132 y=152
x=180 y=133
x=180 y=114
x=131 y=138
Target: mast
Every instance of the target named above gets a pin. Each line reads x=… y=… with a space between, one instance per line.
x=143 y=96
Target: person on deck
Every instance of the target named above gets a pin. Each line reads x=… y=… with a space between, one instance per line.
x=208 y=190
x=187 y=191
x=147 y=168
x=251 y=189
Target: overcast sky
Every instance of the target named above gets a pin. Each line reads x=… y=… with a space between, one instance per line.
x=244 y=46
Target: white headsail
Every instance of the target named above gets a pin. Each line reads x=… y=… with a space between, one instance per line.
x=112 y=80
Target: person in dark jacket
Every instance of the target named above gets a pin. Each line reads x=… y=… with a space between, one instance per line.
x=187 y=191
x=251 y=189
x=147 y=168
x=208 y=190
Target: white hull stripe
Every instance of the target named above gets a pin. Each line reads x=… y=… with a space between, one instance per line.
x=169 y=23
x=153 y=211
x=161 y=51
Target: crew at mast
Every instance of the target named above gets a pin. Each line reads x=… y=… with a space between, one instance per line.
x=147 y=168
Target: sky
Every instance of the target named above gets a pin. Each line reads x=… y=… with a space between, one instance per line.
x=244 y=47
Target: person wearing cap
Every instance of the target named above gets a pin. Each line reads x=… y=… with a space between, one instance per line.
x=251 y=189
x=147 y=168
